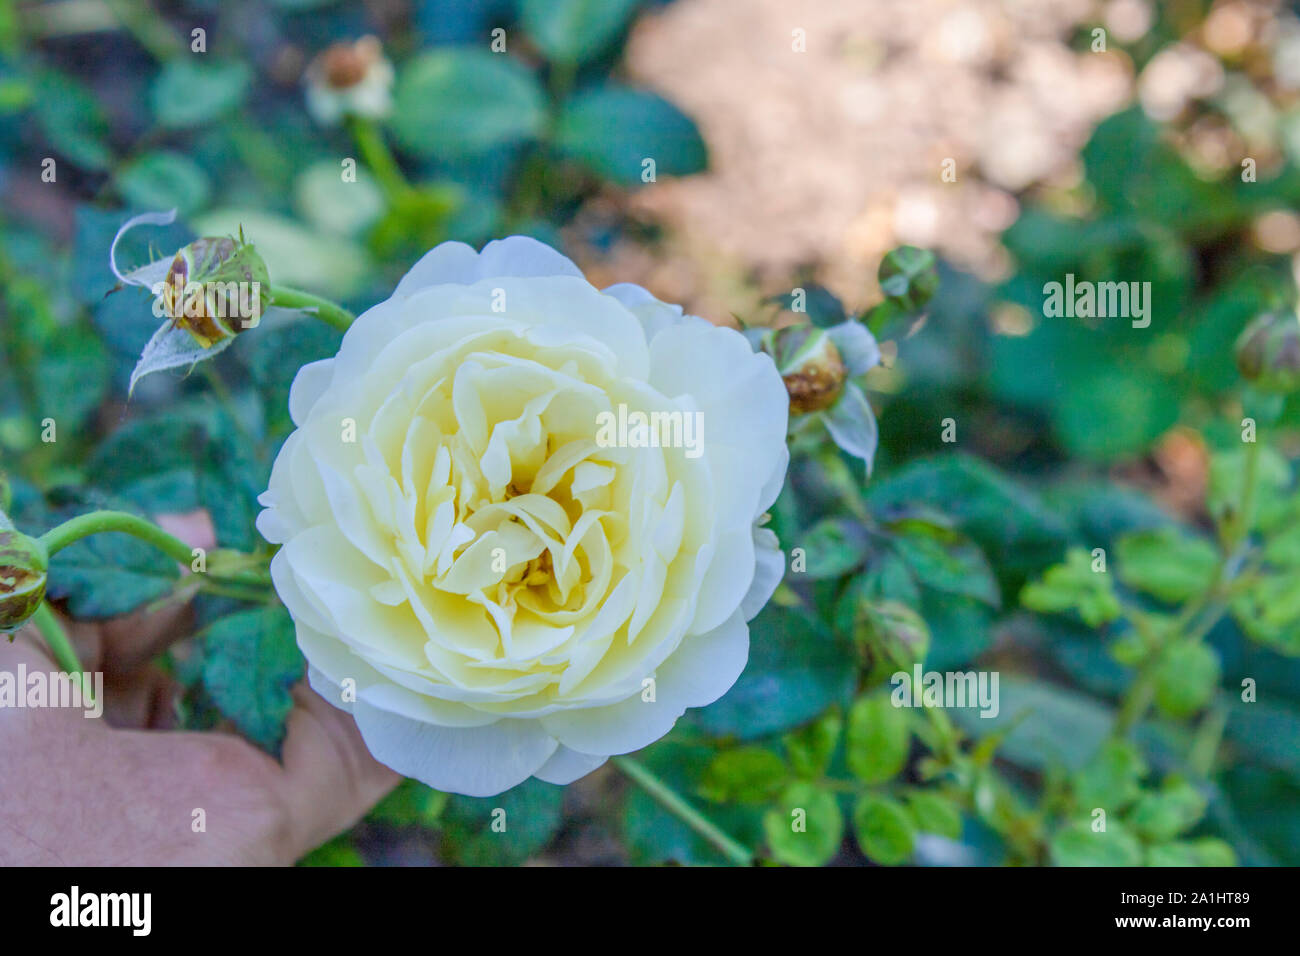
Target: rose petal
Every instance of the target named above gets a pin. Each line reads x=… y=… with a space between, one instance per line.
x=474 y=761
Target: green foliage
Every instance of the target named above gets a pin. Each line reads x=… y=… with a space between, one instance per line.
x=1186 y=678
x=163 y=180
x=1164 y=814
x=108 y=574
x=1080 y=845
x=573 y=31
x=884 y=829
x=805 y=826
x=1111 y=778
x=945 y=561
x=453 y=103
x=934 y=812
x=810 y=748
x=877 y=739
x=797 y=669
x=410 y=803
x=1166 y=563
x=1074 y=586
x=190 y=92
x=501 y=830
x=745 y=775
x=614 y=130
x=185 y=458
x=250 y=662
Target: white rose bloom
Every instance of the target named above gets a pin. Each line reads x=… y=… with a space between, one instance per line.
x=492 y=591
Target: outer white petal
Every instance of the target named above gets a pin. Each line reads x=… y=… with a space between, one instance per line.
x=775 y=482
x=458 y=263
x=474 y=761
x=770 y=569
x=270 y=523
x=308 y=386
x=655 y=316
x=448 y=262
x=728 y=580
x=523 y=256
x=744 y=405
x=700 y=671
x=707 y=665
x=566 y=766
x=331 y=692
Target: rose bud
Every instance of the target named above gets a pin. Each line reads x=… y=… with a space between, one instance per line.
x=23 y=565
x=894 y=633
x=215 y=288
x=811 y=366
x=1268 y=352
x=901 y=631
x=350 y=79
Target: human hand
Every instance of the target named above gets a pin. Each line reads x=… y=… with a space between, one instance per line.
x=123 y=789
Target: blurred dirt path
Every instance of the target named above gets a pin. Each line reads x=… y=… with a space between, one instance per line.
x=829 y=156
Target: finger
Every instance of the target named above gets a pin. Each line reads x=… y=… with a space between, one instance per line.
x=195 y=528
x=329 y=776
x=144 y=701
x=129 y=643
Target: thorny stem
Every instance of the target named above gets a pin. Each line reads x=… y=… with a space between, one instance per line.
x=674 y=803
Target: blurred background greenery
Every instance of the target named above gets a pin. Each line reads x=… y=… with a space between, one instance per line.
x=1125 y=140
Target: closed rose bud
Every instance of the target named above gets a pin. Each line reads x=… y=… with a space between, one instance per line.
x=215 y=288
x=893 y=631
x=23 y=565
x=811 y=366
x=1268 y=352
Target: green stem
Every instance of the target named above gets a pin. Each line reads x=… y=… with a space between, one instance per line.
x=1209 y=735
x=673 y=802
x=283 y=297
x=1137 y=699
x=98 y=522
x=377 y=156
x=238 y=592
x=61 y=647
x=149 y=30
x=1209 y=606
x=1241 y=522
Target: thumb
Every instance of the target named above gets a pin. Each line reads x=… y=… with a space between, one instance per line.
x=330 y=780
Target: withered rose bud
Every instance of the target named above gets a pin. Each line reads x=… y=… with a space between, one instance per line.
x=1268 y=352
x=23 y=566
x=350 y=78
x=811 y=366
x=215 y=288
